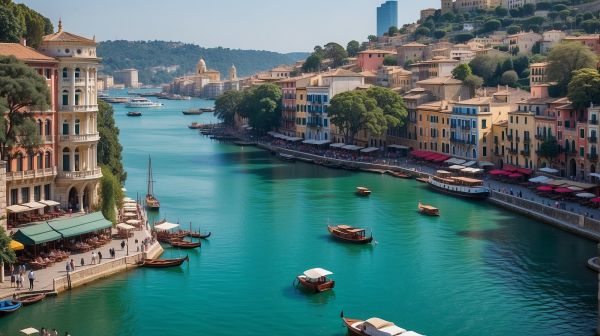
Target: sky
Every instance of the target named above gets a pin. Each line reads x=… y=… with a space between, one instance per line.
x=275 y=25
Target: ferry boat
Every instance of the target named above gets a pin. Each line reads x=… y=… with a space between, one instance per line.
x=363 y=191
x=375 y=327
x=142 y=103
x=315 y=279
x=349 y=234
x=428 y=210
x=458 y=186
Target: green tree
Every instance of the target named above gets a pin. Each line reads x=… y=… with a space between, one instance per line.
x=491 y=25
x=312 y=64
x=392 y=104
x=462 y=71
x=262 y=106
x=501 y=11
x=34 y=25
x=584 y=88
x=335 y=52
x=488 y=67
x=548 y=148
x=390 y=60
x=422 y=31
x=109 y=147
x=566 y=58
x=353 y=48
x=7 y=255
x=21 y=88
x=509 y=78
x=463 y=37
x=513 y=29
x=439 y=34
x=353 y=111
x=111 y=194
x=11 y=27
x=372 y=38
x=226 y=106
x=473 y=82
x=392 y=31
x=528 y=9
x=591 y=26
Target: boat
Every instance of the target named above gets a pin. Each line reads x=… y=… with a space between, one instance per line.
x=134 y=114
x=372 y=171
x=31 y=298
x=350 y=167
x=192 y=112
x=466 y=187
x=9 y=306
x=207 y=109
x=428 y=210
x=422 y=179
x=363 y=191
x=142 y=102
x=152 y=202
x=163 y=263
x=375 y=327
x=116 y=100
x=349 y=234
x=184 y=244
x=199 y=235
x=315 y=279
x=287 y=157
x=331 y=165
x=195 y=125
x=398 y=174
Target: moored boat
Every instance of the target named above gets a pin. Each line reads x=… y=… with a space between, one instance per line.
x=163 y=263
x=199 y=235
x=331 y=165
x=287 y=157
x=152 y=202
x=349 y=234
x=467 y=187
x=428 y=210
x=134 y=114
x=183 y=244
x=192 y=112
x=315 y=279
x=375 y=327
x=195 y=125
x=398 y=174
x=142 y=103
x=31 y=298
x=422 y=179
x=9 y=306
x=363 y=191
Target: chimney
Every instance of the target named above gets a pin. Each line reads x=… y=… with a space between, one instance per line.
x=23 y=41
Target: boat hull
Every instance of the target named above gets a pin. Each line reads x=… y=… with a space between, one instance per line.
x=164 y=263
x=351 y=330
x=470 y=195
x=317 y=288
x=362 y=241
x=198 y=235
x=182 y=244
x=27 y=300
x=9 y=306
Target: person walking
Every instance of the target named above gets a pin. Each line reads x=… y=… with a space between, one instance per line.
x=99 y=257
x=93 y=258
x=123 y=245
x=68 y=267
x=82 y=262
x=18 y=280
x=31 y=277
x=72 y=265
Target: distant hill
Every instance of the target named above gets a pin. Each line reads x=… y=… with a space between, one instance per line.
x=152 y=58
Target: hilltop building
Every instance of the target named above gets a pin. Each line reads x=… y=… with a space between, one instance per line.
x=127 y=77
x=387 y=16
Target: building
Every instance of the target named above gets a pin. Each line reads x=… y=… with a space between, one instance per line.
x=522 y=42
x=462 y=6
x=510 y=4
x=437 y=67
x=412 y=52
x=105 y=82
x=387 y=16
x=291 y=106
x=591 y=41
x=551 y=38
x=394 y=77
x=445 y=88
x=127 y=77
x=372 y=60
x=434 y=126
x=425 y=13
x=538 y=73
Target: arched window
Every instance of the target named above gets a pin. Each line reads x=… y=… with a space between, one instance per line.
x=76 y=159
x=573 y=148
x=474 y=153
x=19 y=158
x=48 y=162
x=65 y=73
x=65 y=127
x=77 y=122
x=66 y=160
x=40 y=127
x=48 y=127
x=77 y=72
x=567 y=149
x=30 y=162
x=77 y=96
x=40 y=160
x=65 y=97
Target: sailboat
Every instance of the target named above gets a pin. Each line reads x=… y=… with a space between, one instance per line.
x=152 y=202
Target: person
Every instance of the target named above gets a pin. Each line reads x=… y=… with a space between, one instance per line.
x=13 y=278
x=31 y=277
x=43 y=332
x=99 y=257
x=93 y=258
x=18 y=280
x=68 y=267
x=72 y=265
x=122 y=245
x=82 y=262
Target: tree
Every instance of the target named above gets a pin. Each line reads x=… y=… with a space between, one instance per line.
x=491 y=25
x=473 y=82
x=501 y=11
x=353 y=111
x=392 y=31
x=591 y=26
x=110 y=193
x=422 y=31
x=11 y=27
x=353 y=48
x=462 y=71
x=262 y=106
x=513 y=29
x=390 y=60
x=372 y=38
x=509 y=78
x=548 y=148
x=7 y=255
x=311 y=64
x=528 y=9
x=392 y=104
x=463 y=37
x=488 y=67
x=21 y=88
x=439 y=34
x=226 y=106
x=584 y=88
x=566 y=58
x=109 y=147
x=335 y=52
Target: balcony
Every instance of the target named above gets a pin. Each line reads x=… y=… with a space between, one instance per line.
x=525 y=153
x=80 y=175
x=540 y=137
x=30 y=174
x=80 y=138
x=79 y=108
x=526 y=139
x=592 y=156
x=593 y=139
x=466 y=127
x=512 y=151
x=509 y=137
x=593 y=122
x=454 y=139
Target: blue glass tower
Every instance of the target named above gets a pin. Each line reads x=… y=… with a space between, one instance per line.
x=387 y=16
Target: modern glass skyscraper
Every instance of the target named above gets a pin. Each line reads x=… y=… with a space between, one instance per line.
x=387 y=16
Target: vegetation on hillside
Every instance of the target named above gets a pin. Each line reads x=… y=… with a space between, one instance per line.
x=564 y=60
x=152 y=57
x=19 y=21
x=335 y=53
x=111 y=194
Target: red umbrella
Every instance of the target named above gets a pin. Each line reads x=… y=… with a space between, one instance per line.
x=563 y=190
x=545 y=188
x=524 y=171
x=509 y=168
x=498 y=172
x=595 y=200
x=515 y=175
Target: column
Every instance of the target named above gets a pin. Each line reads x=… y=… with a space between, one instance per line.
x=72 y=161
x=72 y=68
x=80 y=195
x=87 y=82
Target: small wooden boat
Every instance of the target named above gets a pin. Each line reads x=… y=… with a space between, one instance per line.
x=31 y=299
x=9 y=306
x=184 y=244
x=363 y=191
x=164 y=263
x=375 y=327
x=287 y=157
x=398 y=174
x=195 y=125
x=428 y=210
x=199 y=235
x=316 y=280
x=422 y=179
x=134 y=114
x=152 y=202
x=349 y=234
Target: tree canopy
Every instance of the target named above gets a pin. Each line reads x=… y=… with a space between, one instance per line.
x=7 y=255
x=462 y=71
x=353 y=48
x=110 y=193
x=109 y=147
x=549 y=148
x=19 y=21
x=226 y=106
x=584 y=88
x=262 y=106
x=566 y=58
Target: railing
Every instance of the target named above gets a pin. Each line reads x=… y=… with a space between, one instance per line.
x=540 y=137
x=593 y=122
x=526 y=139
x=593 y=139
x=30 y=174
x=80 y=174
x=79 y=108
x=525 y=153
x=80 y=137
x=592 y=156
x=512 y=151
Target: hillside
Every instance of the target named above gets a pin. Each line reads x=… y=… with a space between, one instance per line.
x=145 y=55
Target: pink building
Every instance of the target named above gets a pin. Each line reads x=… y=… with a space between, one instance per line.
x=372 y=60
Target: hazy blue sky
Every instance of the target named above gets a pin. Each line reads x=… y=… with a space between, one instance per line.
x=277 y=25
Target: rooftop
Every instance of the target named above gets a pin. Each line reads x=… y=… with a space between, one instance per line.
x=413 y=44
x=63 y=36
x=24 y=53
x=440 y=80
x=377 y=51
x=342 y=73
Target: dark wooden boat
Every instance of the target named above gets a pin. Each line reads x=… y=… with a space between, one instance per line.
x=349 y=234
x=192 y=112
x=9 y=306
x=363 y=191
x=134 y=114
x=422 y=179
x=195 y=125
x=164 y=263
x=428 y=210
x=183 y=244
x=316 y=280
x=331 y=165
x=31 y=299
x=152 y=202
x=199 y=235
x=398 y=174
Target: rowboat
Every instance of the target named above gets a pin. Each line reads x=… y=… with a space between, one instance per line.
x=9 y=306
x=134 y=114
x=349 y=234
x=428 y=210
x=183 y=244
x=163 y=263
x=199 y=235
x=315 y=279
x=363 y=191
x=31 y=299
x=375 y=327
x=195 y=125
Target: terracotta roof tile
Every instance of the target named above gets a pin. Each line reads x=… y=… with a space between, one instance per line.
x=63 y=36
x=24 y=53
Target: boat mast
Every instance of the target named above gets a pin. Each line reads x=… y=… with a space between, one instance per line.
x=150 y=181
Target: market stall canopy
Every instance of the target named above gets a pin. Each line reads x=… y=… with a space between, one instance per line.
x=29 y=331
x=455 y=161
x=485 y=164
x=545 y=188
x=49 y=202
x=549 y=170
x=456 y=167
x=320 y=142
x=585 y=195
x=562 y=190
x=398 y=147
x=352 y=147
x=470 y=163
x=337 y=145
x=133 y=221
x=15 y=208
x=369 y=150
x=165 y=226
x=472 y=170
x=595 y=175
x=34 y=205
x=76 y=226
x=125 y=226
x=16 y=246
x=316 y=273
x=540 y=179
x=293 y=139
x=36 y=234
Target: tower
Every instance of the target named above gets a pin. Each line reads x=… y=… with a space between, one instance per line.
x=201 y=66
x=447 y=6
x=232 y=72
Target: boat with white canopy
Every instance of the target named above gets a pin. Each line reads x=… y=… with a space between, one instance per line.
x=316 y=279
x=375 y=327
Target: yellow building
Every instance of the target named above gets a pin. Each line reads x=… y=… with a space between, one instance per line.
x=433 y=120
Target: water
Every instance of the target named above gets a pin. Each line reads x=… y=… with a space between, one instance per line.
x=476 y=270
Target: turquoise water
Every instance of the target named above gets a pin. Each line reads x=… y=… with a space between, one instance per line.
x=476 y=270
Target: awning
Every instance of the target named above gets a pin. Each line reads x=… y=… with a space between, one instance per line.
x=18 y=208
x=549 y=170
x=337 y=145
x=321 y=142
x=293 y=139
x=398 y=147
x=308 y=142
x=49 y=203
x=36 y=234
x=472 y=170
x=165 y=226
x=316 y=273
x=469 y=164
x=34 y=205
x=485 y=164
x=540 y=179
x=352 y=147
x=455 y=161
x=456 y=167
x=133 y=221
x=125 y=226
x=16 y=246
x=595 y=175
x=369 y=150
x=128 y=199
x=76 y=226
x=586 y=195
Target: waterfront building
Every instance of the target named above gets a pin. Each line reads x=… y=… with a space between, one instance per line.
x=406 y=134
x=105 y=82
x=290 y=108
x=372 y=60
x=127 y=77
x=522 y=42
x=434 y=126
x=301 y=112
x=387 y=16
x=412 y=52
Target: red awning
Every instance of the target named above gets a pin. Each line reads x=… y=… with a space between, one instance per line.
x=525 y=171
x=498 y=172
x=432 y=157
x=441 y=158
x=595 y=200
x=515 y=175
x=509 y=168
x=545 y=188
x=563 y=190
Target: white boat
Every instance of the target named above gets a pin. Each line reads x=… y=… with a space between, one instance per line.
x=458 y=186
x=375 y=327
x=142 y=103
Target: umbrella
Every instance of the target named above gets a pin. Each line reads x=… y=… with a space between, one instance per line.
x=515 y=175
x=133 y=222
x=29 y=331
x=586 y=195
x=545 y=188
x=498 y=172
x=563 y=190
x=575 y=188
x=595 y=200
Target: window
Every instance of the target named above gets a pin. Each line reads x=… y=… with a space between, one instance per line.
x=581 y=133
x=19 y=160
x=77 y=126
x=25 y=195
x=40 y=160
x=484 y=124
x=77 y=96
x=77 y=72
x=37 y=193
x=525 y=120
x=65 y=73
x=65 y=127
x=48 y=163
x=66 y=160
x=65 y=97
x=484 y=151
x=48 y=130
x=14 y=196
